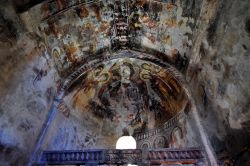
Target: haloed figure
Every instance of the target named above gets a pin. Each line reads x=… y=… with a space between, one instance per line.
x=126 y=72
x=57 y=58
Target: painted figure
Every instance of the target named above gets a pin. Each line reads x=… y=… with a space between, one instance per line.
x=57 y=58
x=177 y=138
x=82 y=12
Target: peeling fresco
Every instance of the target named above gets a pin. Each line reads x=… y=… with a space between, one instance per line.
x=77 y=31
x=75 y=34
x=171 y=134
x=112 y=54
x=129 y=92
x=159 y=25
x=114 y=60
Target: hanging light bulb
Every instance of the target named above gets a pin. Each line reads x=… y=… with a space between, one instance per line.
x=126 y=142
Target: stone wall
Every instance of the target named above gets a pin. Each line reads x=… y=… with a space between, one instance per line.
x=219 y=75
x=26 y=89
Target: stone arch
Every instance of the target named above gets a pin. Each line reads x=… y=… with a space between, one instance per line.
x=145 y=145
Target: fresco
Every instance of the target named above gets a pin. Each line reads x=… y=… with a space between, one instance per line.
x=170 y=135
x=113 y=52
x=73 y=30
x=159 y=25
x=128 y=92
x=177 y=136
x=77 y=31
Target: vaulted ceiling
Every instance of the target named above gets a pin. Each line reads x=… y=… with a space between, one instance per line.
x=76 y=73
x=77 y=32
x=106 y=50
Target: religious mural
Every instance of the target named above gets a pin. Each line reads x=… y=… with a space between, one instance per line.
x=117 y=89
x=76 y=31
x=177 y=138
x=156 y=22
x=131 y=93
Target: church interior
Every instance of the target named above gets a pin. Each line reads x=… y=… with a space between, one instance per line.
x=79 y=75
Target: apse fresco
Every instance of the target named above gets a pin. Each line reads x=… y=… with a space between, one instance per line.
x=130 y=93
x=77 y=31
